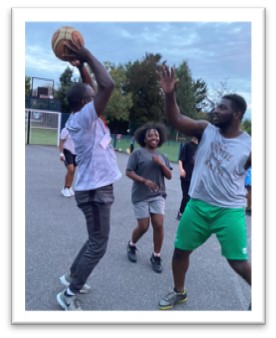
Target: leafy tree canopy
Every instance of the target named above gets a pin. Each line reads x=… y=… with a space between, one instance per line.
x=142 y=83
x=65 y=83
x=120 y=101
x=246 y=126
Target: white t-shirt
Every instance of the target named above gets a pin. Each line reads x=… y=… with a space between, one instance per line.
x=68 y=144
x=96 y=158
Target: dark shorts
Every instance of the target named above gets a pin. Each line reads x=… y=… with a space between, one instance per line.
x=69 y=158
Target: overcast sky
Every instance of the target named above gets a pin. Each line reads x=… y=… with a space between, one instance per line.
x=215 y=51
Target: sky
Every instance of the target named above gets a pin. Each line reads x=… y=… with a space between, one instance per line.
x=216 y=52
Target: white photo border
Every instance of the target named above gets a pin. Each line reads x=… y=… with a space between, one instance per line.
x=257 y=18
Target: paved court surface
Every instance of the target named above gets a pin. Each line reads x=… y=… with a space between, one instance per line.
x=55 y=230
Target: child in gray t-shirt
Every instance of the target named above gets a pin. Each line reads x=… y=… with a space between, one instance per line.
x=147 y=167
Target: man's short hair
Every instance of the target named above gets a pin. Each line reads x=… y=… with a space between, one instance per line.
x=238 y=103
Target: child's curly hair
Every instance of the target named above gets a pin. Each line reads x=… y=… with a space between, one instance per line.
x=141 y=132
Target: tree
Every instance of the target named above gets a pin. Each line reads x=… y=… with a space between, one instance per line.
x=200 y=91
x=190 y=93
x=215 y=94
x=142 y=83
x=65 y=83
x=27 y=86
x=120 y=101
x=246 y=126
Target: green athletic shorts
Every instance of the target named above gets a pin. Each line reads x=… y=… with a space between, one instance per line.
x=200 y=220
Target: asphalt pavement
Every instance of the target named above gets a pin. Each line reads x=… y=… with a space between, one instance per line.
x=55 y=231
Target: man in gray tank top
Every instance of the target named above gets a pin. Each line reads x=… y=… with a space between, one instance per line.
x=217 y=193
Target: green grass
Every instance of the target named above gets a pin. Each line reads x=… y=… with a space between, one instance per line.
x=170 y=148
x=43 y=136
x=49 y=137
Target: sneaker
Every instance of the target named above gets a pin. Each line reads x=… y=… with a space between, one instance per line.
x=72 y=192
x=66 y=280
x=131 y=253
x=171 y=299
x=66 y=192
x=68 y=303
x=156 y=263
x=179 y=215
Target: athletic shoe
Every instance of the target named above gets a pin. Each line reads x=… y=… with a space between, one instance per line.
x=67 y=302
x=66 y=280
x=131 y=253
x=72 y=192
x=156 y=263
x=171 y=299
x=66 y=192
x=179 y=215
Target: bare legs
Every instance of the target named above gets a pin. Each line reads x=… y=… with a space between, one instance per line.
x=158 y=230
x=180 y=265
x=242 y=268
x=69 y=177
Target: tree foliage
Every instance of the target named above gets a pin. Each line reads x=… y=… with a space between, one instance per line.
x=142 y=83
x=120 y=101
x=246 y=126
x=200 y=91
x=137 y=97
x=215 y=94
x=190 y=93
x=65 y=83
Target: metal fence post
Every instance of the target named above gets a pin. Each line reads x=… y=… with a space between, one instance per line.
x=28 y=126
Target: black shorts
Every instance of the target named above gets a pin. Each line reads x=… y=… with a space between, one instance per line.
x=69 y=157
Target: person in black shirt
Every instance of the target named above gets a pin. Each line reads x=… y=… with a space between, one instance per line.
x=186 y=166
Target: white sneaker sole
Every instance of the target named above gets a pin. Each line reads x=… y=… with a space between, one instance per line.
x=60 y=302
x=64 y=195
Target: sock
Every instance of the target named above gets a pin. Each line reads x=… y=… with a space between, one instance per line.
x=156 y=254
x=181 y=292
x=132 y=244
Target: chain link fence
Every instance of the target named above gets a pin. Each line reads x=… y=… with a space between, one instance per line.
x=42 y=127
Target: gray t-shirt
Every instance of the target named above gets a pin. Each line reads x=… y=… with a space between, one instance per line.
x=218 y=176
x=140 y=161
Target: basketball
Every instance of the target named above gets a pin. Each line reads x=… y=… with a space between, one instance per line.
x=65 y=33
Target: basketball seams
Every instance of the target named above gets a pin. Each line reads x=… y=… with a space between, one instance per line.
x=64 y=33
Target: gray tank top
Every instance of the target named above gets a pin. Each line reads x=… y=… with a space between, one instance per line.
x=219 y=174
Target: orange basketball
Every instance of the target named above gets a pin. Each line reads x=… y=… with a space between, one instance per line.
x=61 y=35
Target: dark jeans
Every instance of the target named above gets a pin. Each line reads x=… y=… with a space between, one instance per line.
x=185 y=185
x=96 y=206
